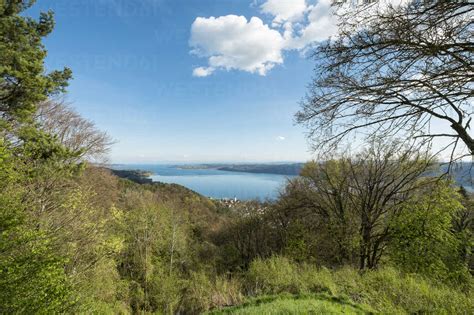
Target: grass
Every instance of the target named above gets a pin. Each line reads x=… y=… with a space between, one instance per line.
x=279 y=286
x=295 y=304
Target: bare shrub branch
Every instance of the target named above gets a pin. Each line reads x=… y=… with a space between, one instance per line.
x=74 y=131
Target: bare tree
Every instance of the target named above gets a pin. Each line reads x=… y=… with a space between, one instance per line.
x=353 y=200
x=73 y=131
x=395 y=73
x=382 y=180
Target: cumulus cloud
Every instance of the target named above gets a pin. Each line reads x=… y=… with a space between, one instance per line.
x=322 y=24
x=280 y=138
x=285 y=10
x=232 y=42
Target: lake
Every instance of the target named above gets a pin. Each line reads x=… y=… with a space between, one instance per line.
x=245 y=186
x=215 y=183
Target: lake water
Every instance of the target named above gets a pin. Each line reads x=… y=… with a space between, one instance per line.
x=217 y=184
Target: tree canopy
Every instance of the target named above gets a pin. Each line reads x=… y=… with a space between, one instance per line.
x=23 y=80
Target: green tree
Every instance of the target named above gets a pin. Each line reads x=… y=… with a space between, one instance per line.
x=464 y=227
x=32 y=275
x=23 y=81
x=155 y=256
x=348 y=203
x=423 y=239
x=248 y=234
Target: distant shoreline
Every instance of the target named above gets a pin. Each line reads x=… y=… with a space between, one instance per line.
x=462 y=173
x=291 y=169
x=137 y=176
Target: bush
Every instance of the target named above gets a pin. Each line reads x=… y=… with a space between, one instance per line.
x=203 y=294
x=107 y=294
x=165 y=292
x=317 y=280
x=226 y=292
x=272 y=276
x=388 y=289
x=278 y=274
x=198 y=294
x=423 y=239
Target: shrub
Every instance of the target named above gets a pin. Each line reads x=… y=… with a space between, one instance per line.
x=386 y=290
x=226 y=292
x=165 y=292
x=197 y=297
x=423 y=239
x=278 y=274
x=317 y=280
x=272 y=276
x=203 y=294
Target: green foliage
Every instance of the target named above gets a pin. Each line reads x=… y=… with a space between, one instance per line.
x=101 y=291
x=32 y=276
x=273 y=276
x=246 y=235
x=155 y=252
x=22 y=76
x=204 y=292
x=364 y=212
x=199 y=292
x=145 y=253
x=423 y=240
x=164 y=291
x=384 y=291
x=299 y=304
x=389 y=289
x=40 y=147
x=278 y=274
x=464 y=228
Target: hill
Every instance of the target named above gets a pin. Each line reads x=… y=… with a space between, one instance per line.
x=291 y=169
x=137 y=176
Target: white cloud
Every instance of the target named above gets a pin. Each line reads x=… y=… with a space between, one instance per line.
x=280 y=138
x=321 y=25
x=202 y=71
x=285 y=10
x=231 y=42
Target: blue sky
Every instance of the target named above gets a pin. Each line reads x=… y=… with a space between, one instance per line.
x=135 y=61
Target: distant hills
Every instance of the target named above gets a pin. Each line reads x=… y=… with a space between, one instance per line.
x=462 y=173
x=137 y=176
x=290 y=169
